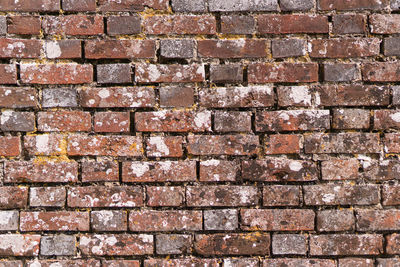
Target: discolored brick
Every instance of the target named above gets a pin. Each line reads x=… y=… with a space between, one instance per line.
x=282 y=144
x=238 y=24
x=282 y=72
x=9 y=220
x=288 y=23
x=339 y=72
x=109 y=220
x=54 y=221
x=18 y=195
x=69 y=73
x=164 y=146
x=226 y=73
x=242 y=5
x=219 y=170
x=14 y=121
x=117 y=25
x=232 y=121
x=289 y=244
x=173 y=73
x=176 y=96
x=112 y=122
x=173 y=244
x=19 y=244
x=58 y=245
x=335 y=220
x=179 y=24
x=119 y=49
x=59 y=97
x=225 y=219
x=374 y=220
x=281 y=195
x=340 y=169
x=165 y=196
x=282 y=48
x=177 y=48
x=47 y=196
x=114 y=73
x=344 y=48
x=351 y=119
x=8 y=74
x=349 y=24
x=63 y=49
x=240 y=48
x=223 y=144
x=95 y=171
x=187 y=6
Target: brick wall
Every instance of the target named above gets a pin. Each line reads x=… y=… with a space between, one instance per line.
x=199 y=133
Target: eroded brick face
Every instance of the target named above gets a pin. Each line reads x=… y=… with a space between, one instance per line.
x=199 y=133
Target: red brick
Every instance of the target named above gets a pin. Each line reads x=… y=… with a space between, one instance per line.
x=344 y=5
x=291 y=262
x=105 y=196
x=179 y=24
x=378 y=220
x=165 y=196
x=69 y=73
x=277 y=220
x=238 y=24
x=10 y=146
x=390 y=195
x=223 y=144
x=47 y=196
x=340 y=169
x=109 y=220
x=340 y=194
x=97 y=171
x=64 y=263
x=66 y=121
x=165 y=220
x=116 y=244
x=30 y=5
x=249 y=262
x=111 y=122
x=18 y=97
x=167 y=244
x=81 y=5
x=184 y=262
x=233 y=244
x=38 y=171
x=392 y=143
x=350 y=262
x=11 y=263
x=349 y=24
x=18 y=25
x=19 y=48
x=173 y=121
x=232 y=121
x=386 y=119
x=14 y=121
x=380 y=170
x=45 y=144
x=240 y=48
x=164 y=146
x=381 y=71
x=173 y=73
x=123 y=49
x=73 y=25
x=98 y=145
x=384 y=24
x=344 y=48
x=63 y=49
x=13 y=197
x=299 y=23
x=392 y=244
x=351 y=119
x=279 y=169
x=176 y=96
x=19 y=245
x=123 y=25
x=281 y=195
x=282 y=72
x=54 y=221
x=335 y=220
x=219 y=170
x=282 y=144
x=158 y=171
x=119 y=263
x=132 y=5
x=113 y=97
x=387 y=262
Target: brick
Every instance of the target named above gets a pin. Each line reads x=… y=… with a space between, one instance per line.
x=395 y=4
x=109 y=220
x=114 y=73
x=277 y=220
x=30 y=6
x=187 y=6
x=355 y=143
x=346 y=244
x=391 y=142
x=19 y=245
x=8 y=74
x=14 y=121
x=164 y=146
x=116 y=244
x=226 y=73
x=281 y=195
x=18 y=97
x=396 y=95
x=81 y=5
x=13 y=197
x=181 y=262
x=242 y=5
x=11 y=263
x=232 y=244
x=179 y=24
x=176 y=96
x=59 y=97
x=384 y=24
x=296 y=5
x=340 y=194
x=177 y=48
x=335 y=220
x=105 y=196
x=18 y=25
x=391 y=47
x=349 y=262
x=293 y=262
x=45 y=144
x=119 y=263
x=57 y=245
x=223 y=144
x=285 y=23
x=73 y=25
x=9 y=220
x=240 y=48
x=344 y=5
x=19 y=48
x=221 y=195
x=232 y=121
x=47 y=196
x=238 y=24
x=339 y=72
x=173 y=244
x=132 y=5
x=165 y=220
x=113 y=97
x=380 y=71
x=388 y=262
x=282 y=144
x=219 y=170
x=352 y=95
x=225 y=219
x=282 y=48
x=241 y=262
x=377 y=220
x=54 y=221
x=390 y=195
x=165 y=196
x=10 y=146
x=3 y=25
x=174 y=73
x=339 y=169
x=96 y=171
x=112 y=122
x=98 y=145
x=386 y=119
x=117 y=25
x=292 y=120
x=392 y=243
x=344 y=48
x=69 y=73
x=251 y=96
x=296 y=96
x=119 y=49
x=70 y=121
x=279 y=169
x=289 y=244
x=282 y=72
x=349 y=24
x=64 y=263
x=351 y=119
x=173 y=121
x=37 y=171
x=380 y=170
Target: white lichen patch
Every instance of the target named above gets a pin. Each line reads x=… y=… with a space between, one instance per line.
x=139 y=168
x=295 y=166
x=53 y=49
x=161 y=147
x=395 y=116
